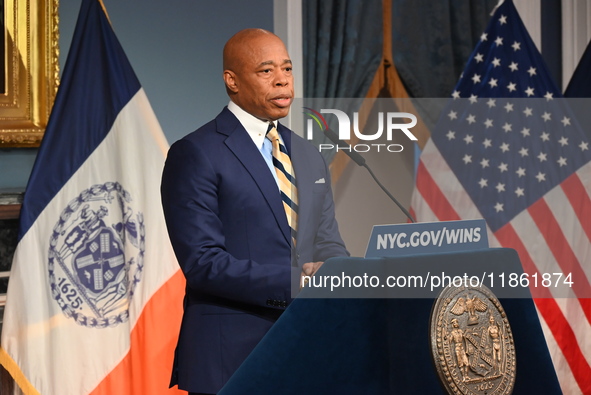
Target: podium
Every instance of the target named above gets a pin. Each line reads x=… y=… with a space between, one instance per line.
x=381 y=345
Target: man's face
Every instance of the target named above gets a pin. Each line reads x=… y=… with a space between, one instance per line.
x=261 y=81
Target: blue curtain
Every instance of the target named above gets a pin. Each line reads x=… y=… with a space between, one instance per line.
x=342 y=50
x=432 y=41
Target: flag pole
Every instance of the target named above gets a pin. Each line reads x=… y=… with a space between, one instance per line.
x=105 y=11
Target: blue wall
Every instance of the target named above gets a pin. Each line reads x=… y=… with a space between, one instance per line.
x=175 y=48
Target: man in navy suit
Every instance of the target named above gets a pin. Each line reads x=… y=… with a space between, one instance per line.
x=226 y=219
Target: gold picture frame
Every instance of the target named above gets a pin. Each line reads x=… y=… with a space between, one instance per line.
x=30 y=70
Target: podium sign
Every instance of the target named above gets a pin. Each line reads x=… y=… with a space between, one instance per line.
x=427 y=237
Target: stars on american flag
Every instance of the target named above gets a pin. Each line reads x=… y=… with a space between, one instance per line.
x=520 y=81
x=545 y=136
x=506 y=137
x=514 y=66
x=514 y=146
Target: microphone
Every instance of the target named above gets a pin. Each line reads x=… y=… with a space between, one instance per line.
x=361 y=162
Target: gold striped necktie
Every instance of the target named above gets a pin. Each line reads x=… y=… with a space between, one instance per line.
x=286 y=178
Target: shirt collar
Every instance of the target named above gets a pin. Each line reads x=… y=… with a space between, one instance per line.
x=256 y=128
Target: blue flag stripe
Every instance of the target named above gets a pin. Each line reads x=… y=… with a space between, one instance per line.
x=84 y=110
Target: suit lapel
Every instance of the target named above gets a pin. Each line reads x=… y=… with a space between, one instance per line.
x=242 y=146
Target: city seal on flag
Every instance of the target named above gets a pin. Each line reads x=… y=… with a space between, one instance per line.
x=96 y=256
x=471 y=342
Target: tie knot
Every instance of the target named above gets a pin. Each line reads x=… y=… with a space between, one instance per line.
x=272 y=133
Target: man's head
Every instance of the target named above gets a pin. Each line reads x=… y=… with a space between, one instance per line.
x=257 y=73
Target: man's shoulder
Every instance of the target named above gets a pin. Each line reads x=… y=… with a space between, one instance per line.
x=202 y=132
x=214 y=129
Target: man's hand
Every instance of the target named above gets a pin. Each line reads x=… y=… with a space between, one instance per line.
x=309 y=269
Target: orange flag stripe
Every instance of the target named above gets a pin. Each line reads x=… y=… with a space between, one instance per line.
x=160 y=320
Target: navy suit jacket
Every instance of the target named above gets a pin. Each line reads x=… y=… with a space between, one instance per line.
x=230 y=234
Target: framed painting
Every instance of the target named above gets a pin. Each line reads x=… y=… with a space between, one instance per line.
x=29 y=69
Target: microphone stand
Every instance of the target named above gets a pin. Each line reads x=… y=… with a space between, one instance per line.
x=361 y=162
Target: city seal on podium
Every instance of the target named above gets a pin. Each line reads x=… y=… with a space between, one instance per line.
x=471 y=342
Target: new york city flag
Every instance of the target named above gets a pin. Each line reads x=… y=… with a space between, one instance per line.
x=95 y=294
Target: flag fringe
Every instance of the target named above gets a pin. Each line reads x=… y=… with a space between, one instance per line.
x=19 y=377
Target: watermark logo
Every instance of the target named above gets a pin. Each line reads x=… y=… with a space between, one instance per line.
x=390 y=119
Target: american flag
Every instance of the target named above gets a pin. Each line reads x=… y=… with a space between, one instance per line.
x=507 y=149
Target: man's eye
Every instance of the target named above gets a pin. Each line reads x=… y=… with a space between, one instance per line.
x=288 y=69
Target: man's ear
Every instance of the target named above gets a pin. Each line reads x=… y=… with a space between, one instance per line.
x=230 y=80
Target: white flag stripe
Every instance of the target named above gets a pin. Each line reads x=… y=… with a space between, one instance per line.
x=130 y=129
x=584 y=174
x=536 y=248
x=427 y=215
x=563 y=254
x=571 y=227
x=452 y=189
x=419 y=204
x=539 y=252
x=568 y=383
x=571 y=308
